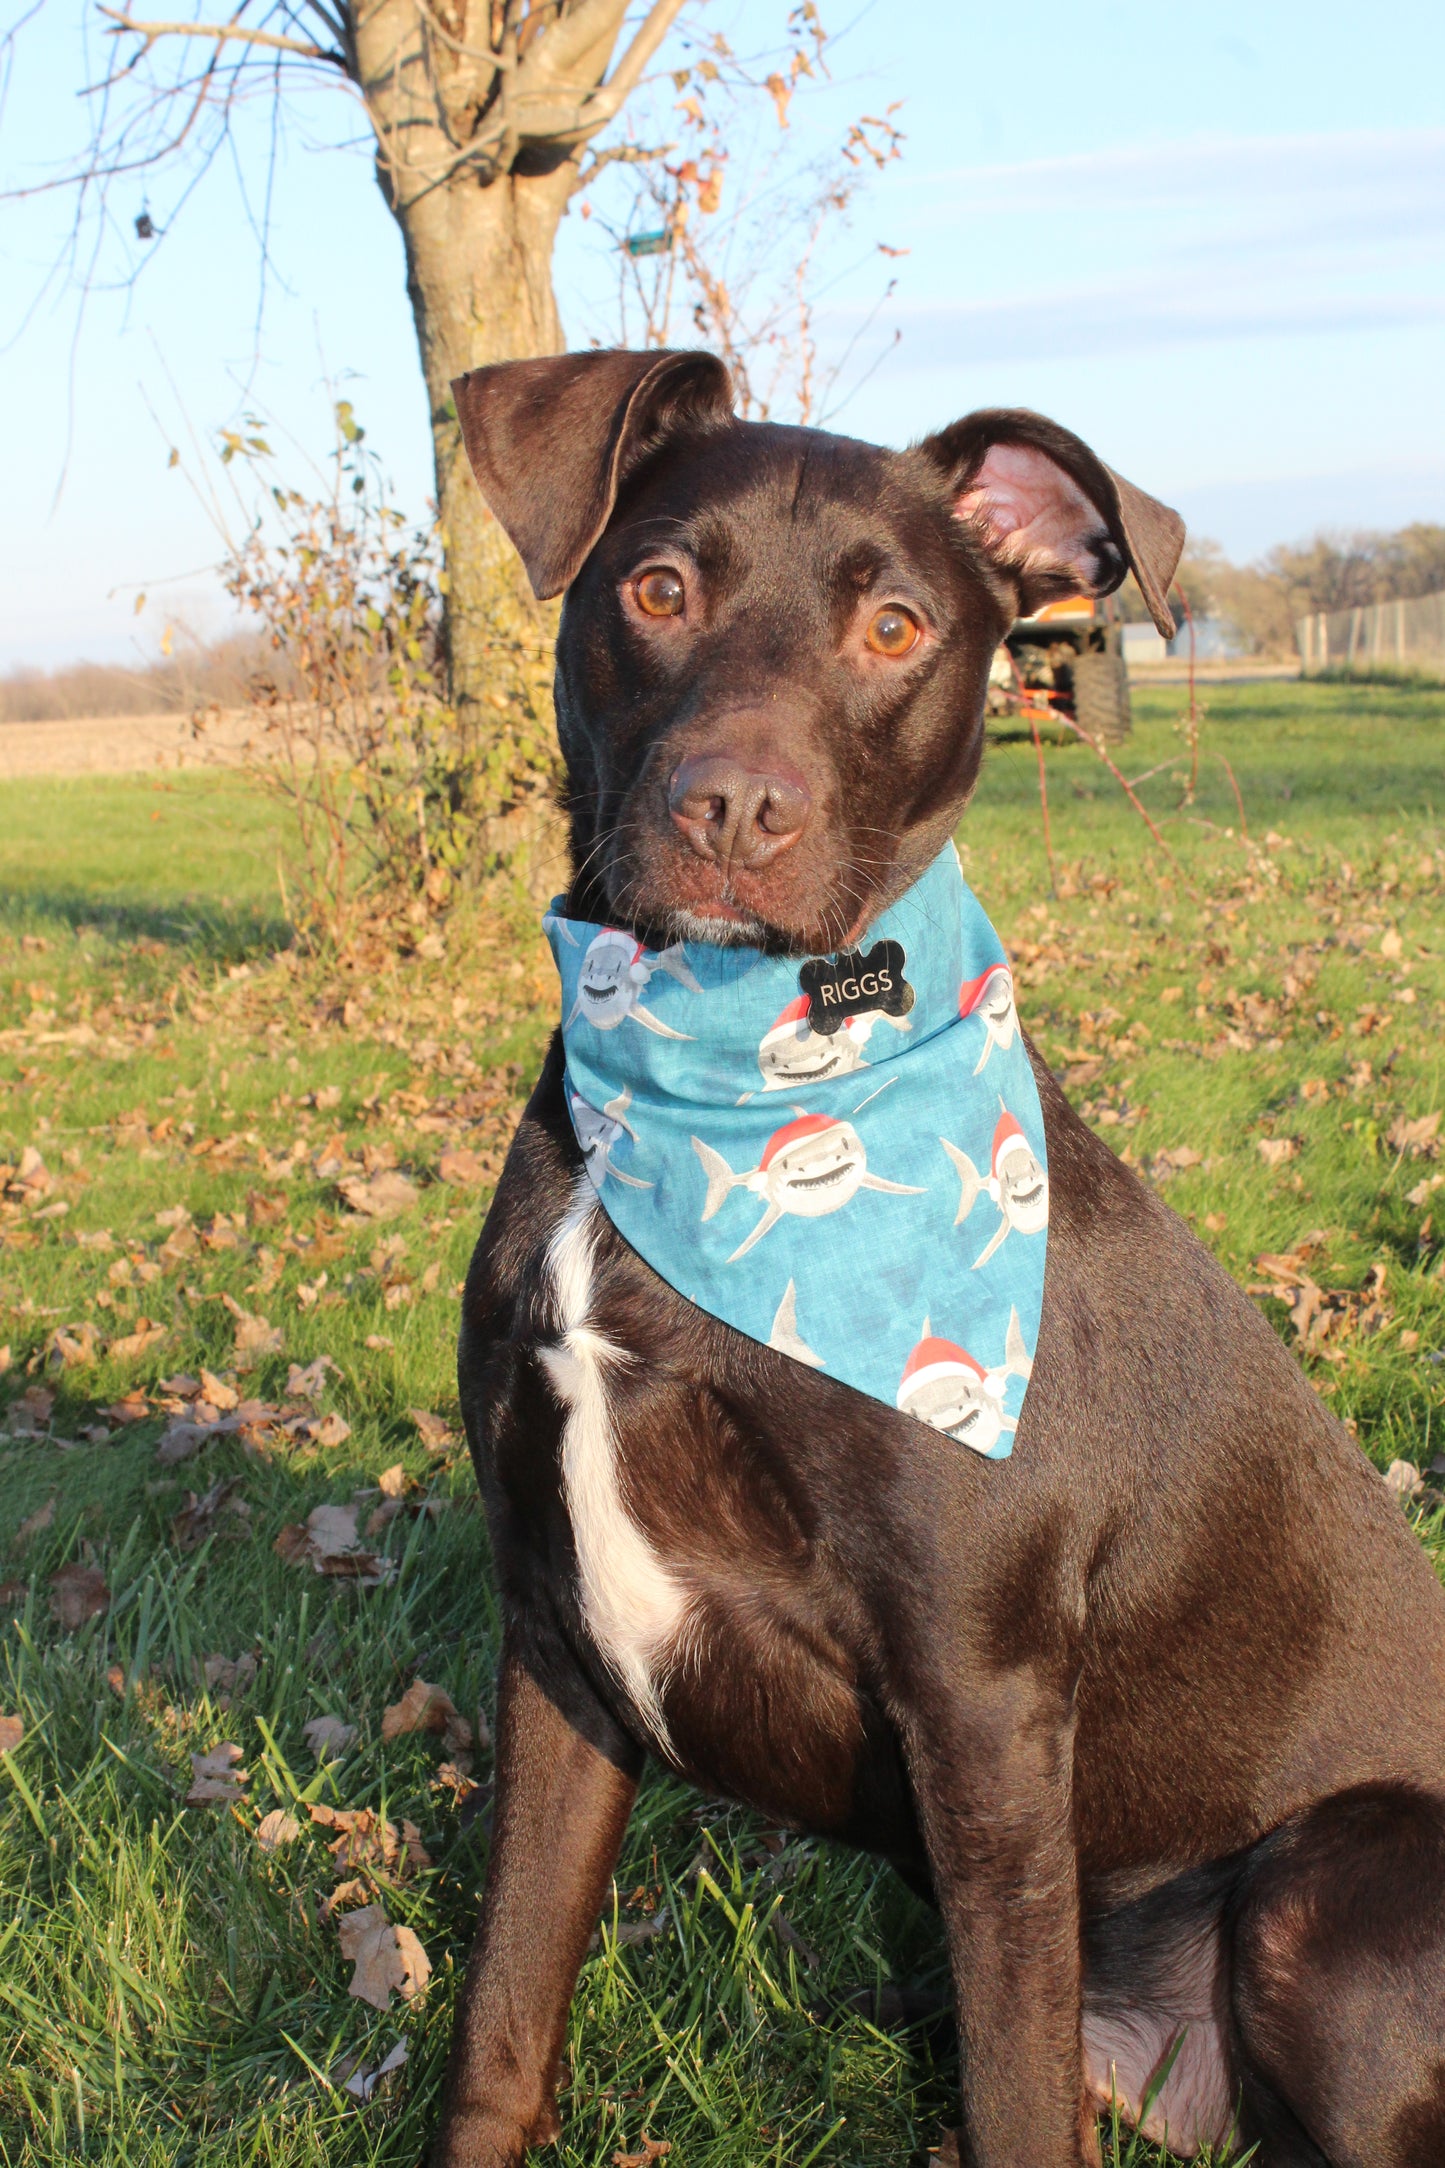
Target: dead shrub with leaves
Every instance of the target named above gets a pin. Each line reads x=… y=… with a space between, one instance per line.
x=392 y=803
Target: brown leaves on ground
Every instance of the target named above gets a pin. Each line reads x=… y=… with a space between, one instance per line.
x=328 y=1737
x=12 y=1731
x=379 y=1196
x=329 y=1543
x=367 y=1839
x=259 y=1424
x=387 y=1960
x=1275 y=1151
x=427 y=1708
x=77 y=1594
x=1321 y=1317
x=215 y=1778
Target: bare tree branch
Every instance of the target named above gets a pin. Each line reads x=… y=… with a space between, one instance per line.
x=125 y=25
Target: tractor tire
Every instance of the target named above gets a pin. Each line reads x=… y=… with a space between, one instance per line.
x=1101 y=697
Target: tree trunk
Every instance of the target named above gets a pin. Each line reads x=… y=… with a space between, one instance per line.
x=481 y=110
x=479 y=279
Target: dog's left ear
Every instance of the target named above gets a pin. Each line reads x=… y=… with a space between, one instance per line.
x=551 y=441
x=1053 y=518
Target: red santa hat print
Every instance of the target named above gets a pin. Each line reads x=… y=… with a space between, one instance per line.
x=1007 y=1137
x=932 y=1359
x=974 y=992
x=807 y=1125
x=786 y=1027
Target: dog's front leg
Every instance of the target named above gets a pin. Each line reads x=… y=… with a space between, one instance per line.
x=991 y=1768
x=562 y=1803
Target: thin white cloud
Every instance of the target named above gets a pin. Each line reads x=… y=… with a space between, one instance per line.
x=1405 y=164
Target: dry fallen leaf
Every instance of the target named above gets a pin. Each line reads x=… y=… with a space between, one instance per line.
x=131 y=1344
x=393 y=1482
x=228 y=1674
x=368 y=1839
x=275 y=1829
x=434 y=1430
x=308 y=1382
x=1415 y=1138
x=361 y=2081
x=328 y=1737
x=1274 y=1151
x=37 y=1522
x=199 y=1516
x=652 y=2149
x=215 y=1779
x=222 y=1397
x=12 y=1731
x=78 y=1593
x=381 y=1195
x=134 y=1408
x=354 y=1892
x=387 y=1959
x=462 y=1167
x=255 y=1336
x=1405 y=1480
x=426 y=1708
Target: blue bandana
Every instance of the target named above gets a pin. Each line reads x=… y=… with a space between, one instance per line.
x=844 y=1161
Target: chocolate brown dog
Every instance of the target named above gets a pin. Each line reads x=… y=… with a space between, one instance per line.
x=1155 y=1709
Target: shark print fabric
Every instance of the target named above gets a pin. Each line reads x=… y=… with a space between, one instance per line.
x=851 y=1171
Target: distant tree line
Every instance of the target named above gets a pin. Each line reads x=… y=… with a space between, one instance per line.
x=1335 y=571
x=1262 y=601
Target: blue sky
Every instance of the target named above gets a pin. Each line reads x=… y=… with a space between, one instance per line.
x=1210 y=240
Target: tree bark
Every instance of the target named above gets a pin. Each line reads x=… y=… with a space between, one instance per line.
x=480 y=285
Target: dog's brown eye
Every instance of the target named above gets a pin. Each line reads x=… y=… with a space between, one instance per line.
x=892 y=631
x=660 y=594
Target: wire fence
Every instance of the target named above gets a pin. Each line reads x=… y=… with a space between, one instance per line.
x=1404 y=636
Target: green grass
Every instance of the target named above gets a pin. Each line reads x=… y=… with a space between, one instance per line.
x=171 y=1994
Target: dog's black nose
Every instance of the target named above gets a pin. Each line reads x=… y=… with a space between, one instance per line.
x=731 y=813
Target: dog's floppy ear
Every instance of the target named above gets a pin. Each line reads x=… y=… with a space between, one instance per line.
x=551 y=441
x=1052 y=517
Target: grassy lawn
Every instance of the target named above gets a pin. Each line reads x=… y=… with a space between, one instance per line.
x=220 y=1161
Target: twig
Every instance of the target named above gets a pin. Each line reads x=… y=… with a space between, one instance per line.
x=123 y=25
x=1044 y=802
x=1124 y=784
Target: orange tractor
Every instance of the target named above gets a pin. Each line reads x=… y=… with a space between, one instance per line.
x=1066 y=662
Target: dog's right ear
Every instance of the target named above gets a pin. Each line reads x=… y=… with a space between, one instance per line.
x=551 y=441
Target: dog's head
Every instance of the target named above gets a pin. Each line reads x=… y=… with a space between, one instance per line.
x=775 y=642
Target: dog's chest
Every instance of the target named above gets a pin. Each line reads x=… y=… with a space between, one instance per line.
x=634 y=1604
x=696 y=1581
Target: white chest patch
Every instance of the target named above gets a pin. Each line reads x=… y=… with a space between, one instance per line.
x=633 y=1606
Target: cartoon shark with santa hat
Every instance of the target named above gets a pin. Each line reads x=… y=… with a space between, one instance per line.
x=598 y=1133
x=991 y=998
x=614 y=977
x=943 y=1385
x=1018 y=1184
x=810 y=1167
x=792 y=1054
